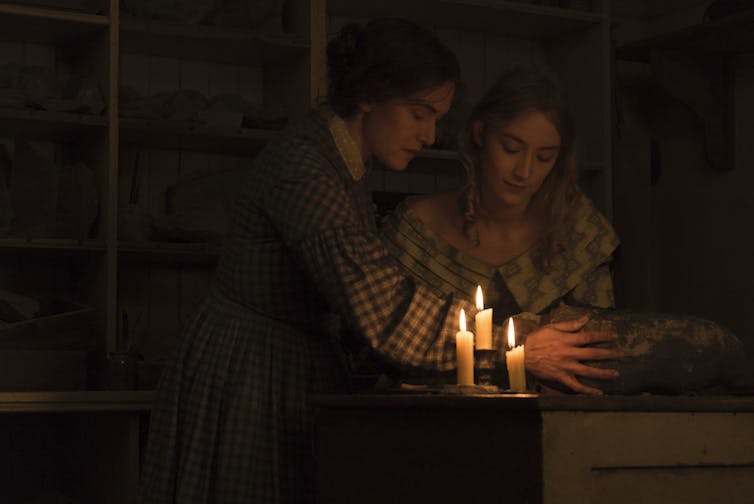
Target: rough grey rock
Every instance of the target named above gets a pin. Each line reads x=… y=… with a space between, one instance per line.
x=664 y=353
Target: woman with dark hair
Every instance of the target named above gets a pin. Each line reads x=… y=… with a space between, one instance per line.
x=231 y=422
x=520 y=227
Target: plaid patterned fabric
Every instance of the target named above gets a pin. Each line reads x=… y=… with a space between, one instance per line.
x=231 y=422
x=579 y=277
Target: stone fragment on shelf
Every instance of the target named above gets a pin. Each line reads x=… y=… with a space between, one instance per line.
x=34 y=192
x=15 y=307
x=50 y=200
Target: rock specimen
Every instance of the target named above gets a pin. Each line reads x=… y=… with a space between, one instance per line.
x=664 y=353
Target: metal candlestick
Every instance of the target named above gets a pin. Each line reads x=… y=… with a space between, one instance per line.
x=485 y=366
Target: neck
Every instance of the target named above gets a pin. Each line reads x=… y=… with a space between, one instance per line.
x=355 y=127
x=506 y=216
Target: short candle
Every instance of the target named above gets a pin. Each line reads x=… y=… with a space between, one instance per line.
x=483 y=321
x=514 y=360
x=464 y=352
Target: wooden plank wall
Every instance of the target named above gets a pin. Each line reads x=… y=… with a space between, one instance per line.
x=159 y=297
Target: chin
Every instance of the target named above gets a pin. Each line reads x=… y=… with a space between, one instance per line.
x=514 y=200
x=395 y=164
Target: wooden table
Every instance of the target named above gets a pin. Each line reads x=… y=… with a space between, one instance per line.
x=434 y=448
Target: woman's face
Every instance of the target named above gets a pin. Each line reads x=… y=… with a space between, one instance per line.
x=516 y=157
x=396 y=130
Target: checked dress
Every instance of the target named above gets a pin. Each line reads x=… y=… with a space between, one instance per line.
x=231 y=421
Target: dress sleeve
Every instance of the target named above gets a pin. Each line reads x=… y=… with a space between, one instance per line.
x=400 y=318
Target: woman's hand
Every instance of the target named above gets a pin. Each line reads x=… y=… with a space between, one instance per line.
x=555 y=351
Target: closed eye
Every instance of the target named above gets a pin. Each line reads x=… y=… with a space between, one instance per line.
x=511 y=147
x=548 y=154
x=420 y=114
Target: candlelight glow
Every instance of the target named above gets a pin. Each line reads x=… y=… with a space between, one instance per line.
x=462 y=320
x=511 y=333
x=479 y=299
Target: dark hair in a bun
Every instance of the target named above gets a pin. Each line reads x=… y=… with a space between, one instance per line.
x=341 y=51
x=386 y=58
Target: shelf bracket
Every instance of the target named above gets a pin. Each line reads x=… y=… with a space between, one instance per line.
x=705 y=84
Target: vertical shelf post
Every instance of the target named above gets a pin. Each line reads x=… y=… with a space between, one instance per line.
x=111 y=209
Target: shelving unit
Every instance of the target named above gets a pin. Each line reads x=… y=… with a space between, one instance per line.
x=159 y=281
x=50 y=259
x=695 y=78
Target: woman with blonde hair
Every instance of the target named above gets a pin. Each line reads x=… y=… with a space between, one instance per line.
x=520 y=227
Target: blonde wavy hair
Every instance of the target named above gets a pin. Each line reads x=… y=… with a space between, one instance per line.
x=520 y=89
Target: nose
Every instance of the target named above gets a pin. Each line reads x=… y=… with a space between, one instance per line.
x=524 y=166
x=427 y=133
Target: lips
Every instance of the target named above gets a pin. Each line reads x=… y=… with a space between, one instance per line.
x=515 y=187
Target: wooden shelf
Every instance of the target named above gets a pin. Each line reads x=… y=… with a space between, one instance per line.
x=52 y=244
x=490 y=16
x=47 y=26
x=180 y=135
x=81 y=400
x=209 y=43
x=45 y=125
x=733 y=34
x=169 y=252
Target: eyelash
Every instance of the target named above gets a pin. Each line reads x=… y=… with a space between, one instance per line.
x=516 y=151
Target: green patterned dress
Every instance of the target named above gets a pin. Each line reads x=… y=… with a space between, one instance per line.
x=580 y=276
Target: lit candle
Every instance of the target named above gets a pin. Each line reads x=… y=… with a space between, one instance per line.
x=514 y=359
x=464 y=352
x=483 y=321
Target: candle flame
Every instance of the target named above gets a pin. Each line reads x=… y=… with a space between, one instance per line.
x=479 y=299
x=511 y=333
x=462 y=320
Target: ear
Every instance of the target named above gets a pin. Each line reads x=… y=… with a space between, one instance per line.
x=477 y=132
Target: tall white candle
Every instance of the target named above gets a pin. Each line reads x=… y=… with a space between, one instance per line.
x=514 y=360
x=483 y=321
x=464 y=352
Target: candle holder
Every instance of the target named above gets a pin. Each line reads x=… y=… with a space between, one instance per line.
x=485 y=366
